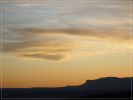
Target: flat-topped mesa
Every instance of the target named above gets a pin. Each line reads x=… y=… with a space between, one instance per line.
x=108 y=83
x=104 y=78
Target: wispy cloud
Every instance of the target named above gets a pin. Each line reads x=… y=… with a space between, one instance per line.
x=59 y=44
x=118 y=34
x=56 y=30
x=48 y=46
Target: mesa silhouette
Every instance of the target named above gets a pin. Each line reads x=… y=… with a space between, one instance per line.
x=108 y=87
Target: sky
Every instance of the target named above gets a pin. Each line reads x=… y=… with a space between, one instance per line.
x=55 y=43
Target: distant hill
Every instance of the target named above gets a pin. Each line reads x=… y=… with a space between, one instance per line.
x=111 y=87
x=108 y=83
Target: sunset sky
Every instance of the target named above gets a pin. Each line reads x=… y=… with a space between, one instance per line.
x=52 y=43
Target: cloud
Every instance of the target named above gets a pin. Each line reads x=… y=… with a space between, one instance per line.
x=118 y=34
x=55 y=30
x=111 y=22
x=59 y=44
x=49 y=47
x=56 y=57
x=75 y=7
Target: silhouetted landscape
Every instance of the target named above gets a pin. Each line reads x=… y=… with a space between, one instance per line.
x=66 y=49
x=109 y=87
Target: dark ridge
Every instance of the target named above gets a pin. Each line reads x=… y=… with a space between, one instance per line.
x=107 y=87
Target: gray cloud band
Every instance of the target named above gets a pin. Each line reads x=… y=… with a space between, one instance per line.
x=53 y=49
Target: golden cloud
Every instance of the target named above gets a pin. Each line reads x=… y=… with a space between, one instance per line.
x=123 y=34
x=58 y=44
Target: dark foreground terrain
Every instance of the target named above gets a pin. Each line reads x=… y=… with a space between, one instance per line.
x=110 y=87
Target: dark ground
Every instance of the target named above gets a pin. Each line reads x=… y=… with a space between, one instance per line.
x=110 y=87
